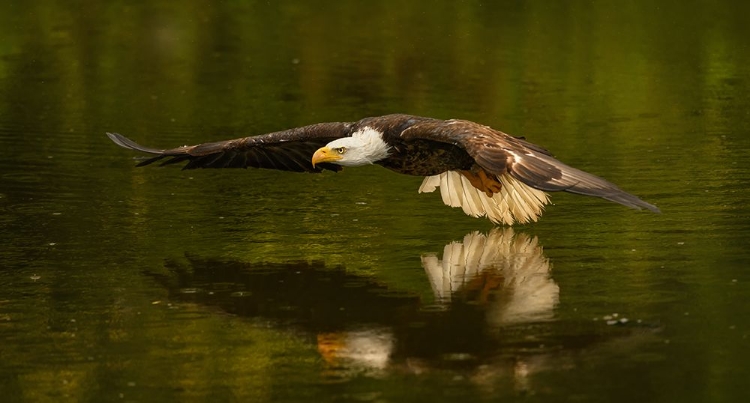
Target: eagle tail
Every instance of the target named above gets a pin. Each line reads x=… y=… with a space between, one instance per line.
x=515 y=203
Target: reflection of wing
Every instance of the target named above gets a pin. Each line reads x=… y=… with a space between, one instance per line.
x=507 y=269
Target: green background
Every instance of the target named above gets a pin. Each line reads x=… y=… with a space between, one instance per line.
x=154 y=284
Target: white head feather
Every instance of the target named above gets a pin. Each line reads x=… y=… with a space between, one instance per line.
x=364 y=147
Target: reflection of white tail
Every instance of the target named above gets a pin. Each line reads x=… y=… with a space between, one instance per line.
x=527 y=293
x=516 y=201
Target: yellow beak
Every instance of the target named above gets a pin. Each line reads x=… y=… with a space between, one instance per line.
x=324 y=154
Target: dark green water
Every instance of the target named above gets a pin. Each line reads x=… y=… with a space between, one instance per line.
x=154 y=284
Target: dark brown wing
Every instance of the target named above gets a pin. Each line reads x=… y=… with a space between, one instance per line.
x=499 y=153
x=289 y=150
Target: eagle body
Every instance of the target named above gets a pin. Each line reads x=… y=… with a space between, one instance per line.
x=424 y=158
x=482 y=170
x=417 y=156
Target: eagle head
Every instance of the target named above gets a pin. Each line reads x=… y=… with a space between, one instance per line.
x=364 y=147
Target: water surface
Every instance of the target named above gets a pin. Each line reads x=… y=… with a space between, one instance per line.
x=154 y=284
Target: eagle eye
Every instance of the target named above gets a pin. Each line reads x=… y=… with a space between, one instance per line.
x=341 y=150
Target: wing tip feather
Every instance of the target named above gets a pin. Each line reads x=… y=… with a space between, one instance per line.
x=125 y=142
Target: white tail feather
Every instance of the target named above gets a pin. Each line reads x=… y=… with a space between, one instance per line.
x=515 y=203
x=472 y=201
x=429 y=184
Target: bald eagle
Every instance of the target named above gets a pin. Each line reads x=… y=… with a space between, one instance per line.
x=482 y=170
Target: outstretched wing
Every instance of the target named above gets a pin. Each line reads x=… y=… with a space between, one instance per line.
x=289 y=150
x=499 y=153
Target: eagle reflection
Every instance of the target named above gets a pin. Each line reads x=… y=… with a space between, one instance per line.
x=491 y=319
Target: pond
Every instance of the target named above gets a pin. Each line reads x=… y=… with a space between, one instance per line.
x=120 y=283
